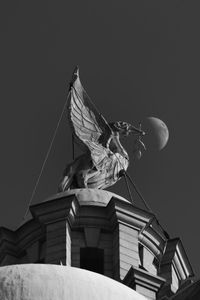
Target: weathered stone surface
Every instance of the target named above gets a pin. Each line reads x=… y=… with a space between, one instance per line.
x=52 y=282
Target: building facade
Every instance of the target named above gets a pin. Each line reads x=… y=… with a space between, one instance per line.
x=104 y=233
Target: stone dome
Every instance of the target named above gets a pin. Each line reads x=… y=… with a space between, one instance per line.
x=50 y=282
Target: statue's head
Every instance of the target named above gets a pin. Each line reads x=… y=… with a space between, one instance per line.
x=125 y=128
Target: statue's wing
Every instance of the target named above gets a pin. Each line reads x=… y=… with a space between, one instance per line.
x=88 y=125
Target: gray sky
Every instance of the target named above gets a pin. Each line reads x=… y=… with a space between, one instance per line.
x=136 y=59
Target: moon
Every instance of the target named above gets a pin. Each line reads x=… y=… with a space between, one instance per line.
x=157 y=133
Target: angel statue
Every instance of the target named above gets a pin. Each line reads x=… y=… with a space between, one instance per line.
x=104 y=160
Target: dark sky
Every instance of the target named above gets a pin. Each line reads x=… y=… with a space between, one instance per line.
x=136 y=59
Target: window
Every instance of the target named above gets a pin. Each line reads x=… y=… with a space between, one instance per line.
x=92 y=259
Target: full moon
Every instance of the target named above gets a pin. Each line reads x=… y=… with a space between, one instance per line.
x=157 y=133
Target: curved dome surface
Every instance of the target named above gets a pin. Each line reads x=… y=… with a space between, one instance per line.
x=54 y=282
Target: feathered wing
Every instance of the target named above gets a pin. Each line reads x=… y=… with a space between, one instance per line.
x=89 y=127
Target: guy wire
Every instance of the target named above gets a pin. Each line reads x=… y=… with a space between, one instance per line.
x=138 y=192
x=46 y=158
x=128 y=188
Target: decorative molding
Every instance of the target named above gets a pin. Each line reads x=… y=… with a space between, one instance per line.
x=175 y=263
x=15 y=243
x=136 y=276
x=175 y=255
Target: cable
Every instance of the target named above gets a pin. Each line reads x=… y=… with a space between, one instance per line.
x=45 y=160
x=138 y=192
x=128 y=188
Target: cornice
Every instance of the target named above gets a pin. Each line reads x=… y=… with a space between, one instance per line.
x=117 y=211
x=136 y=276
x=54 y=210
x=150 y=233
x=15 y=242
x=175 y=256
x=181 y=260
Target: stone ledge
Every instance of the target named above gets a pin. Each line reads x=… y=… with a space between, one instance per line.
x=136 y=276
